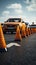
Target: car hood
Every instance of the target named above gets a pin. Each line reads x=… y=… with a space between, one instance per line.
x=13 y=23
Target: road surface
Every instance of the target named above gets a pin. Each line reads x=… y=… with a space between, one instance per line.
x=19 y=53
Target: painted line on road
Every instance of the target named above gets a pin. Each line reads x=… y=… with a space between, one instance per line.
x=12 y=44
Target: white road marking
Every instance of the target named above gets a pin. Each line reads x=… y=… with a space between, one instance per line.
x=12 y=44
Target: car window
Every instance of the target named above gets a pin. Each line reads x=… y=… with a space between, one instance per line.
x=14 y=20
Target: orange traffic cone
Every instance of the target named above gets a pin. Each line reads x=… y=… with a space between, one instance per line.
x=23 y=34
x=2 y=40
x=29 y=31
x=18 y=35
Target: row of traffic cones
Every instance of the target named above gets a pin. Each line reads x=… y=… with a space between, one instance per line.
x=2 y=39
x=24 y=32
x=18 y=35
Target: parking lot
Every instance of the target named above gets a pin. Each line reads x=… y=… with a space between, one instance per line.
x=19 y=53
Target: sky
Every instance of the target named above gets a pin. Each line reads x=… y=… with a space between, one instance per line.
x=25 y=9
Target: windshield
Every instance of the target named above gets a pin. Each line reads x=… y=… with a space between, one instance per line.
x=14 y=20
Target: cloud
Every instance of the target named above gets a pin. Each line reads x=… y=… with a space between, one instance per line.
x=33 y=1
x=15 y=6
x=27 y=1
x=31 y=6
x=5 y=12
x=18 y=11
x=3 y=18
x=28 y=19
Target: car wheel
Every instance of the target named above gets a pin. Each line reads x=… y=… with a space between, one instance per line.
x=11 y=32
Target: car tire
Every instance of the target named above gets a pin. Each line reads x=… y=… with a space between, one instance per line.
x=11 y=32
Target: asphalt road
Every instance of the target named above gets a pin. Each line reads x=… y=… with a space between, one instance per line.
x=19 y=53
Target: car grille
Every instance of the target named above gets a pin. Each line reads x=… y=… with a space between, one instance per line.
x=11 y=27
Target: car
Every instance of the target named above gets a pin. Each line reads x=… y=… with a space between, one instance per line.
x=11 y=25
x=33 y=28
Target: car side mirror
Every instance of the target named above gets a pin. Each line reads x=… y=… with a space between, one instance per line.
x=22 y=21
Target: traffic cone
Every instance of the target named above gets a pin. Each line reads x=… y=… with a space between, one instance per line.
x=2 y=40
x=23 y=34
x=18 y=35
x=29 y=31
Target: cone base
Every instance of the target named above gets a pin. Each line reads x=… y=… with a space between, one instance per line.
x=3 y=49
x=17 y=40
x=24 y=36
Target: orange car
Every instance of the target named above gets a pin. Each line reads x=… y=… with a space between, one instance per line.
x=11 y=25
